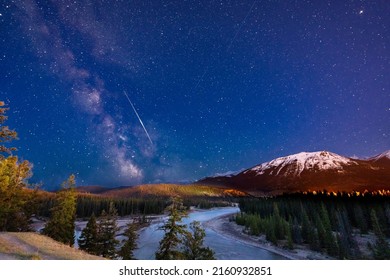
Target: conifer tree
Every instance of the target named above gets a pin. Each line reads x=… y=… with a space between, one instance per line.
x=289 y=233
x=127 y=250
x=270 y=231
x=314 y=241
x=170 y=245
x=306 y=227
x=194 y=249
x=381 y=249
x=88 y=240
x=360 y=219
x=347 y=245
x=320 y=230
x=107 y=229
x=296 y=232
x=61 y=225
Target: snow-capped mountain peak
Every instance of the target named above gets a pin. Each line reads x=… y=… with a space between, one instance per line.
x=295 y=164
x=385 y=154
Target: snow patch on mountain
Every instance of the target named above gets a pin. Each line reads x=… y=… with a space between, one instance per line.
x=226 y=174
x=295 y=164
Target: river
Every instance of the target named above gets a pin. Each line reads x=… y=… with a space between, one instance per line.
x=225 y=248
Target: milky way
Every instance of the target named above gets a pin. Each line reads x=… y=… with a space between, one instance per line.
x=220 y=85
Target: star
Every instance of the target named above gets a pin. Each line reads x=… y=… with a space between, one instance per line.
x=248 y=83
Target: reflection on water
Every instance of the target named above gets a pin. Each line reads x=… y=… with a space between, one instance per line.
x=225 y=248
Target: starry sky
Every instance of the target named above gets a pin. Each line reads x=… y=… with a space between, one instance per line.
x=212 y=86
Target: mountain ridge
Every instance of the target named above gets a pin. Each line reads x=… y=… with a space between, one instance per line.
x=310 y=170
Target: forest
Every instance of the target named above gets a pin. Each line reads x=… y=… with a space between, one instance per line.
x=87 y=204
x=324 y=223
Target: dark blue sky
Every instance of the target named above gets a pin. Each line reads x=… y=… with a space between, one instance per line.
x=219 y=85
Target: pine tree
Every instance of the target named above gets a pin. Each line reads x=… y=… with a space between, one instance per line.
x=314 y=242
x=270 y=233
x=320 y=230
x=360 y=219
x=290 y=243
x=88 y=240
x=306 y=227
x=61 y=225
x=347 y=245
x=127 y=249
x=107 y=229
x=296 y=232
x=170 y=245
x=381 y=249
x=329 y=240
x=194 y=249
x=278 y=223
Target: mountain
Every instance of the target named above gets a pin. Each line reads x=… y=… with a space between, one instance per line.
x=381 y=159
x=310 y=171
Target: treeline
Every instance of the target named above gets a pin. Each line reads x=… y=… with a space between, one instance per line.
x=325 y=223
x=86 y=205
x=209 y=203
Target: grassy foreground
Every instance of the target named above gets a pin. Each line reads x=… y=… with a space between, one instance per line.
x=33 y=246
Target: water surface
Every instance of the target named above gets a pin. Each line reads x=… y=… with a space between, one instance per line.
x=225 y=248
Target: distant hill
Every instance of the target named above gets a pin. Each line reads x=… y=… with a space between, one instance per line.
x=310 y=171
x=92 y=189
x=34 y=246
x=163 y=190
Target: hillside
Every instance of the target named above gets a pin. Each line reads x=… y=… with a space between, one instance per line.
x=165 y=190
x=33 y=246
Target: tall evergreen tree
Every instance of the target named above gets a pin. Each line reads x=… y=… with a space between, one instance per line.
x=107 y=229
x=306 y=227
x=61 y=225
x=170 y=245
x=296 y=232
x=127 y=250
x=347 y=245
x=360 y=219
x=320 y=230
x=289 y=233
x=88 y=240
x=193 y=244
x=381 y=249
x=270 y=233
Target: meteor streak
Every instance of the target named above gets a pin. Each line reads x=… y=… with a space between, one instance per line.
x=140 y=121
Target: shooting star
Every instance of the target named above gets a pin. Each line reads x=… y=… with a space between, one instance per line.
x=241 y=25
x=140 y=121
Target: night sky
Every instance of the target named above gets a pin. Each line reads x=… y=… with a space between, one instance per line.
x=218 y=85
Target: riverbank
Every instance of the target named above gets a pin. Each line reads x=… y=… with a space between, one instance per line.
x=223 y=226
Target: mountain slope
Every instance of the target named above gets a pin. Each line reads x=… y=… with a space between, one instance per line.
x=311 y=171
x=296 y=164
x=382 y=159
